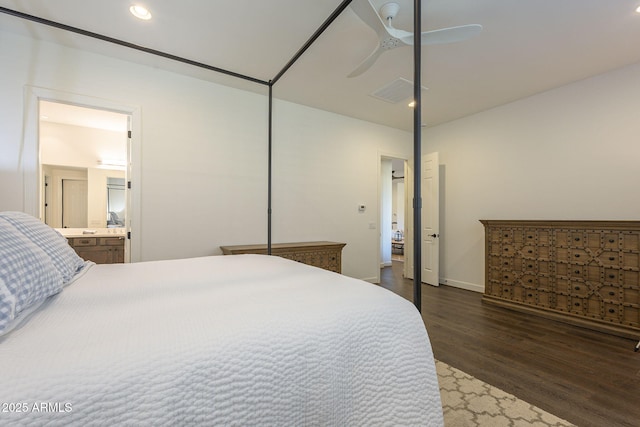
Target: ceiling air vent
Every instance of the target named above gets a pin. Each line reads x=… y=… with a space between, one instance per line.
x=398 y=90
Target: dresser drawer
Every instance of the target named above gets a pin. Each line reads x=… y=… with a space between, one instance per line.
x=522 y=264
x=572 y=287
x=611 y=312
x=83 y=241
x=529 y=251
x=111 y=241
x=611 y=241
x=610 y=258
x=610 y=294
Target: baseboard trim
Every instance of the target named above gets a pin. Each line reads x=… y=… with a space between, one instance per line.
x=386 y=264
x=375 y=280
x=462 y=285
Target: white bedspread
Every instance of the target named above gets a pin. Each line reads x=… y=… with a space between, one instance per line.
x=227 y=340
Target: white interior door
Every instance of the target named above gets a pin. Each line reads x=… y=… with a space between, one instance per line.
x=430 y=219
x=408 y=220
x=127 y=189
x=74 y=203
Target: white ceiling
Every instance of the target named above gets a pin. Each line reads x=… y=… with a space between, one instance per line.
x=76 y=115
x=526 y=47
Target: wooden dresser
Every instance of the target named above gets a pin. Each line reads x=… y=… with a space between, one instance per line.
x=101 y=250
x=327 y=255
x=581 y=272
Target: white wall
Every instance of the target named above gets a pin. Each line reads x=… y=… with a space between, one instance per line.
x=204 y=156
x=569 y=153
x=325 y=165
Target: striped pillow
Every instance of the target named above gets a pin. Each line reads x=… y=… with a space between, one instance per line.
x=27 y=277
x=49 y=240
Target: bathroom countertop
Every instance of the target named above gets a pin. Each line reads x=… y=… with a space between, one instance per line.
x=91 y=232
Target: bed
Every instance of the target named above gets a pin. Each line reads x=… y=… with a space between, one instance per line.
x=222 y=340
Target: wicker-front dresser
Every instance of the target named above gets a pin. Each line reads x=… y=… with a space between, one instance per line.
x=581 y=272
x=327 y=255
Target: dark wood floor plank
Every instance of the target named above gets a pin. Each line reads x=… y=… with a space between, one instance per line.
x=586 y=377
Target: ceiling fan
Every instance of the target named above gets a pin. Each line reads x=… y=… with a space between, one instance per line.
x=391 y=38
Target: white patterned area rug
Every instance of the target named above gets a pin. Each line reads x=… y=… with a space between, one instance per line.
x=467 y=401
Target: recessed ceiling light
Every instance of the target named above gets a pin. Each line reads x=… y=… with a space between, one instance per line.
x=412 y=104
x=638 y=9
x=140 y=12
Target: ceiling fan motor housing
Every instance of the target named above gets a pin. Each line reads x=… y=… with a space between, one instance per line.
x=389 y=10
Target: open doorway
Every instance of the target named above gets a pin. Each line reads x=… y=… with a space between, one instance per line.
x=84 y=154
x=393 y=196
x=397 y=210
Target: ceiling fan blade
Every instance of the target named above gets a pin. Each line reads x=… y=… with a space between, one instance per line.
x=447 y=35
x=369 y=15
x=367 y=63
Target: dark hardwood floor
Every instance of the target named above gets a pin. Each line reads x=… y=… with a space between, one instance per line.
x=586 y=377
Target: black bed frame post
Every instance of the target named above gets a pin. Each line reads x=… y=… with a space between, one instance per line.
x=273 y=81
x=269 y=167
x=417 y=156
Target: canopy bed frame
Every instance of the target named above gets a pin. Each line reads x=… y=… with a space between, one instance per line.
x=217 y=340
x=417 y=111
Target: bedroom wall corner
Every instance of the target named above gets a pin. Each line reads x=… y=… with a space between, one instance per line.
x=325 y=166
x=568 y=153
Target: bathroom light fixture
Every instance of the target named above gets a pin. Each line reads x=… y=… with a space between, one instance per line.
x=412 y=104
x=140 y=12
x=112 y=164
